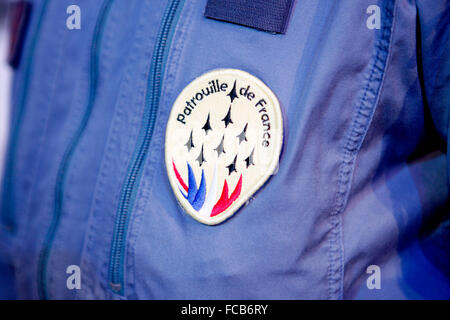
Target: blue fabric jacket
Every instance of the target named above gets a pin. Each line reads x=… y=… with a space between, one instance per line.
x=362 y=180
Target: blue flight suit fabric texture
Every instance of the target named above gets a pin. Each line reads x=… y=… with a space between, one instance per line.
x=362 y=179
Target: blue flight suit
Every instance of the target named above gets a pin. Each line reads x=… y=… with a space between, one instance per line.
x=362 y=179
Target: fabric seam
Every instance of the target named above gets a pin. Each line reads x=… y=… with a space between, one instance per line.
x=354 y=138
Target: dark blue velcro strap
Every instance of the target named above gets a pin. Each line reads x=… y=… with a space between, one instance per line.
x=266 y=15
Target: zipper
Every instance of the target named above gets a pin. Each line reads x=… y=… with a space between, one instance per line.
x=67 y=157
x=128 y=192
x=7 y=209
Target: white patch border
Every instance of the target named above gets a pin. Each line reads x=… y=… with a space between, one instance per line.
x=271 y=170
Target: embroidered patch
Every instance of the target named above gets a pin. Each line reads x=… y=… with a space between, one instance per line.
x=223 y=141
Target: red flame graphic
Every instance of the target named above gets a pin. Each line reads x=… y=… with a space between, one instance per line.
x=224 y=202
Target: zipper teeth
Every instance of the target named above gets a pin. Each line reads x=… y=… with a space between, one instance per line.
x=8 y=192
x=65 y=162
x=128 y=192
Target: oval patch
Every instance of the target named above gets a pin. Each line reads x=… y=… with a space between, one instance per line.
x=223 y=141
